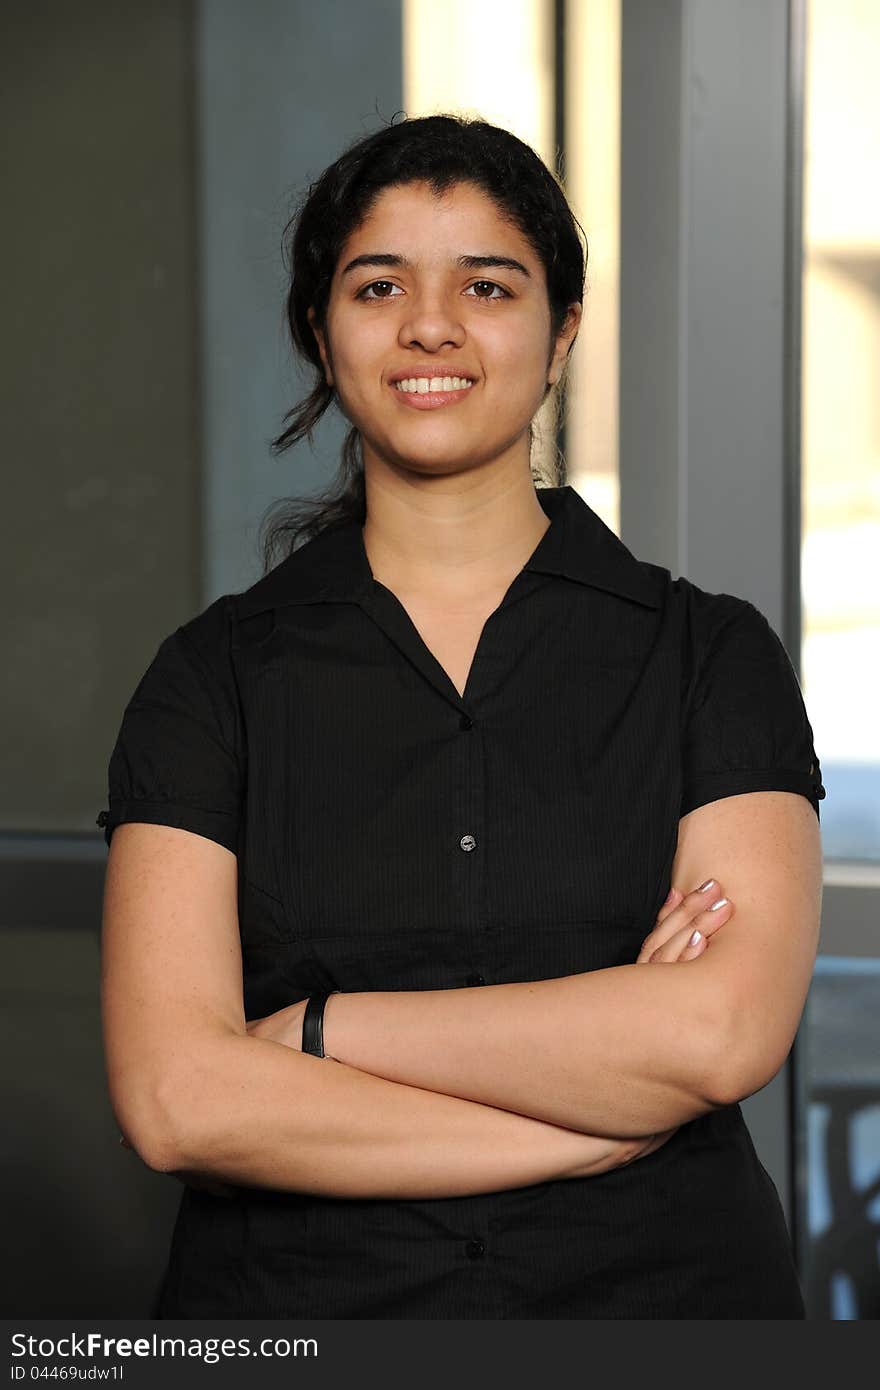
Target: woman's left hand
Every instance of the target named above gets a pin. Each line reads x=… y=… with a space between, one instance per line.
x=669 y=942
x=284 y=1026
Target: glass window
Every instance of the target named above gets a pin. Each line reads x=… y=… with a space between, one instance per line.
x=839 y=1040
x=592 y=182
x=841 y=417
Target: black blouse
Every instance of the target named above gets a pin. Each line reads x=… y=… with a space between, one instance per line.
x=392 y=834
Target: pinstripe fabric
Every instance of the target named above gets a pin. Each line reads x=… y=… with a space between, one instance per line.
x=305 y=725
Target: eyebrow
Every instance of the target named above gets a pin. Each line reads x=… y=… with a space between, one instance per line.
x=384 y=258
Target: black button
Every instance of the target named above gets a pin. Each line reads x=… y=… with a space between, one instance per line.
x=465 y=722
x=474 y=1249
x=103 y=817
x=475 y=980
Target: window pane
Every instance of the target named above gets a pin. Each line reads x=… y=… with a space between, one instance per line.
x=841 y=417
x=841 y=1274
x=839 y=1101
x=592 y=144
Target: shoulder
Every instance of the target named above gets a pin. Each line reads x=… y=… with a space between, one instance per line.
x=714 y=626
x=730 y=632
x=210 y=629
x=212 y=637
x=197 y=650
x=192 y=668
x=745 y=722
x=209 y=633
x=735 y=669
x=700 y=617
x=702 y=611
x=707 y=613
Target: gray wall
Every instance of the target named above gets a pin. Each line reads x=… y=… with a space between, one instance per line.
x=99 y=531
x=154 y=151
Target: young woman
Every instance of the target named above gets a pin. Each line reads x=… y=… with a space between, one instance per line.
x=393 y=831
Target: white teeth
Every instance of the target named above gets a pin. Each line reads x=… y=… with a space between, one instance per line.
x=423 y=384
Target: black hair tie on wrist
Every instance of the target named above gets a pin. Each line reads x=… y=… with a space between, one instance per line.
x=313 y=1023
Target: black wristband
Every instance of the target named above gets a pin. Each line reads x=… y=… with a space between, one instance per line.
x=313 y=1023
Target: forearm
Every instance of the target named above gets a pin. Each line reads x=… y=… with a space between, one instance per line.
x=624 y=1051
x=251 y=1111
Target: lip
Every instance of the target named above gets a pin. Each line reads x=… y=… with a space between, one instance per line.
x=431 y=400
x=429 y=369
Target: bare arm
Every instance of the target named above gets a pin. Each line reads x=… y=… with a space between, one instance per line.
x=194 y=1093
x=627 y=1051
x=305 y=1124
x=618 y=1052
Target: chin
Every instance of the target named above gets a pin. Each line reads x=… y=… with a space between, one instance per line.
x=434 y=467
x=434 y=456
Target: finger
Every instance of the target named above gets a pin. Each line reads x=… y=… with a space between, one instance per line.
x=681 y=944
x=689 y=904
x=706 y=922
x=689 y=909
x=672 y=902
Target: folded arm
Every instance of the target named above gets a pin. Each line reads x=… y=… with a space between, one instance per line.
x=197 y=1096
x=627 y=1051
x=256 y=1113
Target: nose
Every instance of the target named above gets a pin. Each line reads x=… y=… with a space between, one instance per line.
x=432 y=323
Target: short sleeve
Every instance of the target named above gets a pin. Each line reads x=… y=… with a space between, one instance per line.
x=177 y=759
x=745 y=723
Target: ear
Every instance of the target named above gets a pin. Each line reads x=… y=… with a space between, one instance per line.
x=564 y=343
x=321 y=340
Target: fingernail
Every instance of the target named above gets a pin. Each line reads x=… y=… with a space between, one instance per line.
x=669 y=896
x=708 y=884
x=695 y=937
x=722 y=902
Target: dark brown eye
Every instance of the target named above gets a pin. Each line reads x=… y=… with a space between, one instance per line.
x=383 y=290
x=494 y=291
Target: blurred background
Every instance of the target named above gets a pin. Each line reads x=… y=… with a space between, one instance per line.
x=724 y=420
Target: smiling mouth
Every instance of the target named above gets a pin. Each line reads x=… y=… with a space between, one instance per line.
x=429 y=393
x=433 y=385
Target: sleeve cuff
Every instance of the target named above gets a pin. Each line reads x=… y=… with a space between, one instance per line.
x=712 y=786
x=221 y=826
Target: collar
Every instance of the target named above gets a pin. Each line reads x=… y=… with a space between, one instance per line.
x=333 y=566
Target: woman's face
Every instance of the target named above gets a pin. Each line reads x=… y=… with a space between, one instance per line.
x=437 y=336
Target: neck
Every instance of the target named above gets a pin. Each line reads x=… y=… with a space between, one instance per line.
x=459 y=538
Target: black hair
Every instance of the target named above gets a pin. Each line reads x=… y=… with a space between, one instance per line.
x=442 y=151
